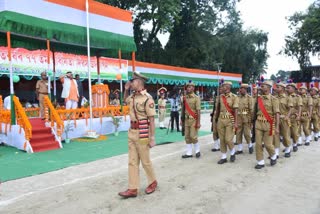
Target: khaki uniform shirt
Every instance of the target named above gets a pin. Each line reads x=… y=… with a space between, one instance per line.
x=232 y=100
x=42 y=86
x=194 y=102
x=245 y=107
x=271 y=105
x=306 y=103
x=162 y=103
x=115 y=102
x=141 y=106
x=297 y=102
x=316 y=102
x=285 y=103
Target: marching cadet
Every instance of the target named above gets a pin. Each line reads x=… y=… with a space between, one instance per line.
x=227 y=122
x=162 y=106
x=215 y=135
x=295 y=114
x=266 y=124
x=141 y=135
x=116 y=100
x=306 y=112
x=244 y=119
x=191 y=110
x=285 y=108
x=315 y=112
x=254 y=95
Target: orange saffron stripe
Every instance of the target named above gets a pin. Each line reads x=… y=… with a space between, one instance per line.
x=97 y=8
x=179 y=69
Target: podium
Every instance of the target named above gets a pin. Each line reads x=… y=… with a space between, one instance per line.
x=100 y=95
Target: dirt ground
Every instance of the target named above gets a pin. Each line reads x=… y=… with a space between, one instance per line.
x=185 y=186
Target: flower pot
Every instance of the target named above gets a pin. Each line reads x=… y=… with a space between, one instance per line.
x=67 y=140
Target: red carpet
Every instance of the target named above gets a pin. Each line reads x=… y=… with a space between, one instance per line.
x=42 y=139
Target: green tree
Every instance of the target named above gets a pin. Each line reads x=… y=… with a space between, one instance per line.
x=305 y=38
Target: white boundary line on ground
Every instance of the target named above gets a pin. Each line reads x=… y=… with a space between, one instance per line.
x=12 y=200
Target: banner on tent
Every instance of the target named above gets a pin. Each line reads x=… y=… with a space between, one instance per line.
x=32 y=63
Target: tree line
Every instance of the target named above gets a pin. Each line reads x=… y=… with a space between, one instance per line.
x=202 y=34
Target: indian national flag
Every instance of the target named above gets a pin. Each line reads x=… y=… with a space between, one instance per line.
x=65 y=21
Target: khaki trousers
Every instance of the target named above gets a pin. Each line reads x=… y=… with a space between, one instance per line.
x=139 y=152
x=262 y=136
x=190 y=132
x=162 y=115
x=294 y=130
x=244 y=128
x=226 y=134
x=41 y=104
x=305 y=123
x=315 y=123
x=284 y=132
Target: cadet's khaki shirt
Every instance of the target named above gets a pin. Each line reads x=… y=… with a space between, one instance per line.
x=142 y=103
x=315 y=101
x=194 y=102
x=306 y=103
x=285 y=103
x=245 y=104
x=162 y=103
x=42 y=86
x=232 y=101
x=270 y=103
x=297 y=102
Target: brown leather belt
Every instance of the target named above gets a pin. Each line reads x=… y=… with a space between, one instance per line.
x=43 y=93
x=135 y=124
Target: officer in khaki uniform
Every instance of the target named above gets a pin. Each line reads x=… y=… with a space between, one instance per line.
x=42 y=90
x=141 y=135
x=116 y=100
x=227 y=122
x=191 y=106
x=162 y=107
x=267 y=124
x=285 y=107
x=215 y=135
x=306 y=112
x=315 y=112
x=295 y=114
x=254 y=94
x=244 y=118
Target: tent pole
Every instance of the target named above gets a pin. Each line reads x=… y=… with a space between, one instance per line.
x=98 y=68
x=12 y=109
x=54 y=77
x=48 y=69
x=120 y=69
x=89 y=65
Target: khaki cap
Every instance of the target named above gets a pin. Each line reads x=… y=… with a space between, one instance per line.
x=136 y=75
x=227 y=83
x=244 y=85
x=268 y=82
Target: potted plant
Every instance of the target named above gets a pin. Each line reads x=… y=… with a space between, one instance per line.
x=116 y=122
x=69 y=127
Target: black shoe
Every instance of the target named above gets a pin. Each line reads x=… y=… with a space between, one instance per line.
x=198 y=154
x=258 y=166
x=232 y=158
x=161 y=128
x=315 y=139
x=186 y=156
x=236 y=143
x=178 y=131
x=251 y=150
x=287 y=155
x=215 y=150
x=284 y=150
x=295 y=148
x=307 y=144
x=299 y=144
x=273 y=162
x=222 y=161
x=239 y=152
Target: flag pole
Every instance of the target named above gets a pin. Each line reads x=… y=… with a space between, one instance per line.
x=89 y=65
x=12 y=110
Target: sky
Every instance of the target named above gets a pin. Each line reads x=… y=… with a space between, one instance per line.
x=270 y=16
